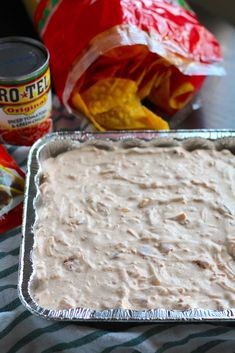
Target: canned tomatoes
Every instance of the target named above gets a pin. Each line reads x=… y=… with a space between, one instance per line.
x=25 y=91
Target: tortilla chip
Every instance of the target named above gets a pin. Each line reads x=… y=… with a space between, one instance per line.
x=108 y=93
x=113 y=104
x=181 y=95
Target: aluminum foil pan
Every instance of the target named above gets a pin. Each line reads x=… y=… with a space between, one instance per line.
x=56 y=143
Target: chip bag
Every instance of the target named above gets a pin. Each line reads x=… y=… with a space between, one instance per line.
x=11 y=192
x=114 y=59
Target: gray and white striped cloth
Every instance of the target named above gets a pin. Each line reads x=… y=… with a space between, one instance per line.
x=22 y=332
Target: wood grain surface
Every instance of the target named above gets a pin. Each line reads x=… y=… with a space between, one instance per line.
x=218 y=93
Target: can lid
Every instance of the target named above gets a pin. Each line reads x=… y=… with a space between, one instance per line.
x=21 y=57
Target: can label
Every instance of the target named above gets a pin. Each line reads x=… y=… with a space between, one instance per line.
x=25 y=104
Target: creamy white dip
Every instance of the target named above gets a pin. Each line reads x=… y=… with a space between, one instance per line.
x=138 y=228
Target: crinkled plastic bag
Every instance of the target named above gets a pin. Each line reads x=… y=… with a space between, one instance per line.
x=110 y=56
x=11 y=192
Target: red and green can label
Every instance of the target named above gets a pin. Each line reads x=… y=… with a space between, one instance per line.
x=25 y=106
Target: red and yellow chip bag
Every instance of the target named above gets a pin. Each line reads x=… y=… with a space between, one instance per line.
x=110 y=57
x=11 y=192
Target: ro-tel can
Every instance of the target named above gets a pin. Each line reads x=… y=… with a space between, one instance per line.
x=25 y=94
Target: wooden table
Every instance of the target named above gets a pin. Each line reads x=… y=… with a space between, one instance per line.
x=218 y=93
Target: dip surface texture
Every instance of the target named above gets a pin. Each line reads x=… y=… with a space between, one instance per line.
x=138 y=228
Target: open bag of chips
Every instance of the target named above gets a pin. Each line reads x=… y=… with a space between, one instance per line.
x=126 y=64
x=11 y=192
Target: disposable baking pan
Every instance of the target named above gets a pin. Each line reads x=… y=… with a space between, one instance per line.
x=56 y=143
